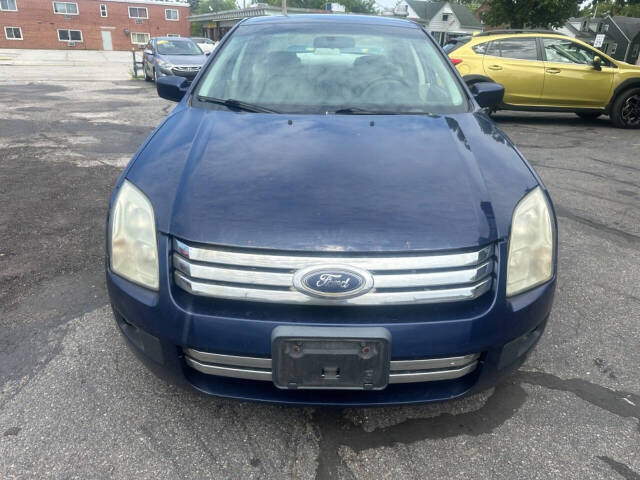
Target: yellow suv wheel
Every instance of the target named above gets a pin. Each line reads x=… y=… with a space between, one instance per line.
x=625 y=112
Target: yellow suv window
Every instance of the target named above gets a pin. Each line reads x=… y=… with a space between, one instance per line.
x=480 y=48
x=518 y=48
x=566 y=51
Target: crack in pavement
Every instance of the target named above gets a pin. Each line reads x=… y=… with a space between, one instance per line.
x=335 y=433
x=585 y=172
x=620 y=468
x=613 y=164
x=613 y=401
x=499 y=407
x=562 y=211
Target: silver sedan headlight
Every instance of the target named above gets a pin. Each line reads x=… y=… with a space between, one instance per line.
x=531 y=244
x=165 y=65
x=133 y=246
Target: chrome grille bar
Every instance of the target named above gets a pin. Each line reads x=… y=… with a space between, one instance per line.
x=399 y=261
x=399 y=279
x=401 y=371
x=293 y=296
x=276 y=279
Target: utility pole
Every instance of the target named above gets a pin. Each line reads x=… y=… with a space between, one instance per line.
x=284 y=7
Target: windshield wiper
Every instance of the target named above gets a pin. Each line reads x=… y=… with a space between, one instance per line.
x=364 y=111
x=361 y=111
x=233 y=104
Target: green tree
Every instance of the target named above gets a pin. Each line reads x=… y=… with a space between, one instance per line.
x=206 y=6
x=600 y=8
x=359 y=6
x=472 y=5
x=530 y=13
x=355 y=6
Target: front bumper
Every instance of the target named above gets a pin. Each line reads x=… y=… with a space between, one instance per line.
x=177 y=71
x=161 y=326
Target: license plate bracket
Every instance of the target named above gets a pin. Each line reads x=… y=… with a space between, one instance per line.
x=340 y=358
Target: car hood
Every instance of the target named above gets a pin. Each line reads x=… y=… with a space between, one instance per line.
x=184 y=59
x=353 y=183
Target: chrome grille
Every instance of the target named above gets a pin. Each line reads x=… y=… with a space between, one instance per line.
x=401 y=371
x=399 y=278
x=186 y=68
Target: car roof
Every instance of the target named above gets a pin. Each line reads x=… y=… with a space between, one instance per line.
x=331 y=19
x=186 y=39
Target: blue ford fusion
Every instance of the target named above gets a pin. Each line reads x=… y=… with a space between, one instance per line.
x=329 y=217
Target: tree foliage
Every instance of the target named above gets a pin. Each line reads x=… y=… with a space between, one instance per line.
x=530 y=13
x=600 y=8
x=206 y=6
x=355 y=6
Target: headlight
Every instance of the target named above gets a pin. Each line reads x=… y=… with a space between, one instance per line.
x=531 y=244
x=163 y=64
x=134 y=251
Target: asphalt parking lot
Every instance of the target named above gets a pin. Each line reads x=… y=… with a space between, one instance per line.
x=75 y=403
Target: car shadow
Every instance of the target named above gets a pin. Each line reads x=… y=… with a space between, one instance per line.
x=561 y=119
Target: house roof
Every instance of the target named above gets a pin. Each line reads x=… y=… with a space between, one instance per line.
x=587 y=36
x=427 y=10
x=629 y=25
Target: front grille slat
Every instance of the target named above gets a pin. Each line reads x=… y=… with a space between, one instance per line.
x=214 y=273
x=293 y=296
x=373 y=262
x=398 y=279
x=401 y=371
x=434 y=279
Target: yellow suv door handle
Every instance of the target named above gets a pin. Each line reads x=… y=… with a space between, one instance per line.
x=553 y=70
x=495 y=67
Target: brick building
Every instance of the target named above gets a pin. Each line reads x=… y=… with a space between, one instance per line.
x=90 y=24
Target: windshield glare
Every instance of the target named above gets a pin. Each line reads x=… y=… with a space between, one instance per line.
x=313 y=68
x=178 y=47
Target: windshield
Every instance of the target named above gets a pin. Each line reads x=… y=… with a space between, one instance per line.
x=333 y=68
x=178 y=47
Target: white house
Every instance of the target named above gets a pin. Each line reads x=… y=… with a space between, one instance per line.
x=443 y=19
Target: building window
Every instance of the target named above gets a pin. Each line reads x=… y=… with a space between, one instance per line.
x=171 y=14
x=70 y=35
x=140 y=38
x=13 y=33
x=138 y=12
x=614 y=47
x=8 y=5
x=103 y=10
x=65 y=8
x=445 y=17
x=606 y=27
x=172 y=35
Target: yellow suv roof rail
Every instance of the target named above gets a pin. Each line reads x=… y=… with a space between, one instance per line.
x=516 y=31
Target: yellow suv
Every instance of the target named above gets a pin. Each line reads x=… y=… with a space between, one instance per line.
x=546 y=71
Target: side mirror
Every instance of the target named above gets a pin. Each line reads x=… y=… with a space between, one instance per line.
x=148 y=52
x=207 y=53
x=172 y=87
x=597 y=63
x=487 y=94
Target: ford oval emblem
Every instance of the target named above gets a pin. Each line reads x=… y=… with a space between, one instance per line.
x=333 y=281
